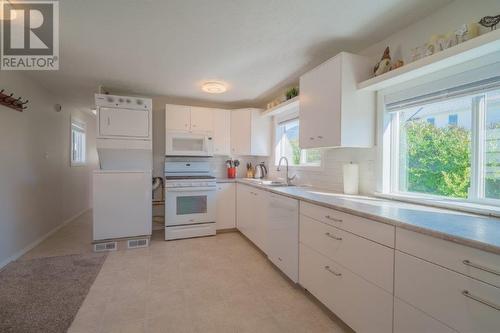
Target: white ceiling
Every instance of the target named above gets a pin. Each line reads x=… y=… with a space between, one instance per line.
x=168 y=48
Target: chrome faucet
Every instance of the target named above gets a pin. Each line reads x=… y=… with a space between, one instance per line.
x=288 y=179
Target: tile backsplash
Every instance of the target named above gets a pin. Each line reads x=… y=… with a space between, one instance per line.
x=330 y=176
x=218 y=163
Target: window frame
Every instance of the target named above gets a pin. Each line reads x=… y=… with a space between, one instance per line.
x=477 y=185
x=79 y=126
x=287 y=117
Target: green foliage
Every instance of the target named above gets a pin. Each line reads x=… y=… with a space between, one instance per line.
x=438 y=159
x=292 y=92
x=296 y=151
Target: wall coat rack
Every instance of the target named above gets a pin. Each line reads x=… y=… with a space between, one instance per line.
x=12 y=102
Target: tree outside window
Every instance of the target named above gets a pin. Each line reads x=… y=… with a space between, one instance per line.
x=287 y=144
x=455 y=155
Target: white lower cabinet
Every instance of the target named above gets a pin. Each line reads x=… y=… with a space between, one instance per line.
x=226 y=206
x=360 y=304
x=259 y=208
x=283 y=234
x=251 y=214
x=408 y=319
x=244 y=210
x=463 y=303
x=375 y=231
x=468 y=261
x=368 y=259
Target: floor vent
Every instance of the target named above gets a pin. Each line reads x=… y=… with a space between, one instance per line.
x=101 y=247
x=136 y=243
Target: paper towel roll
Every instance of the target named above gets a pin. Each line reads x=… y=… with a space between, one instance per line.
x=351 y=178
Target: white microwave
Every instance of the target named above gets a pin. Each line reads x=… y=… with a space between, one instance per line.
x=188 y=144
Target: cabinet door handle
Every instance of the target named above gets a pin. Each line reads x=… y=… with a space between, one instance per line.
x=320 y=137
x=109 y=121
x=311 y=138
x=333 y=218
x=333 y=236
x=332 y=271
x=481 y=267
x=466 y=293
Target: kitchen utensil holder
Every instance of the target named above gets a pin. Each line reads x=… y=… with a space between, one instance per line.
x=231 y=172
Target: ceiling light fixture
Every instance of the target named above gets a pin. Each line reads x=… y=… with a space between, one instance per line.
x=214 y=87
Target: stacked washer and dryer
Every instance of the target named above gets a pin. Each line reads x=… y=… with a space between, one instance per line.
x=122 y=186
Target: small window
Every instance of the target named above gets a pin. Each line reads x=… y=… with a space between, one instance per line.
x=453 y=120
x=78 y=136
x=287 y=144
x=431 y=121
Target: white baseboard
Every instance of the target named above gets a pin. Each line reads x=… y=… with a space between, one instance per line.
x=30 y=246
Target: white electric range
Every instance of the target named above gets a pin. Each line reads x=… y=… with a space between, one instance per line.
x=190 y=191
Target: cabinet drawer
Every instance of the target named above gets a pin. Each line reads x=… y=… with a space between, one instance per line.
x=362 y=305
x=447 y=296
x=408 y=319
x=376 y=231
x=472 y=262
x=368 y=259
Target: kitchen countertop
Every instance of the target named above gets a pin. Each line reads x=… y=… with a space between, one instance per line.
x=481 y=232
x=225 y=180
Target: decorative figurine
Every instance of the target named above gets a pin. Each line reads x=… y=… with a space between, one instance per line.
x=466 y=32
x=430 y=49
x=442 y=42
x=384 y=64
x=416 y=54
x=397 y=64
x=490 y=22
x=461 y=33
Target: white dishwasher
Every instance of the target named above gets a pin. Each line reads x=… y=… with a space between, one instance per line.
x=283 y=234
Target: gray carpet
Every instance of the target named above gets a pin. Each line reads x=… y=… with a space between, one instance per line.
x=44 y=294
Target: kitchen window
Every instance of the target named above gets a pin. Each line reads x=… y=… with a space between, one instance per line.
x=287 y=144
x=447 y=144
x=78 y=144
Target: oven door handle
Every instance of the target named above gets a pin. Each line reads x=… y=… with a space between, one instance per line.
x=189 y=189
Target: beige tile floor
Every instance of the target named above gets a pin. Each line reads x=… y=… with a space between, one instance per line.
x=212 y=284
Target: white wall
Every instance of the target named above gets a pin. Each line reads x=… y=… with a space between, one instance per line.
x=445 y=20
x=38 y=189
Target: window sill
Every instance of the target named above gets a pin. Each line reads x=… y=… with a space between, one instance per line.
x=77 y=165
x=467 y=207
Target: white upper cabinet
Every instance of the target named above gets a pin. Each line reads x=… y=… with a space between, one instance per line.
x=222 y=131
x=188 y=118
x=333 y=113
x=202 y=120
x=250 y=132
x=178 y=117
